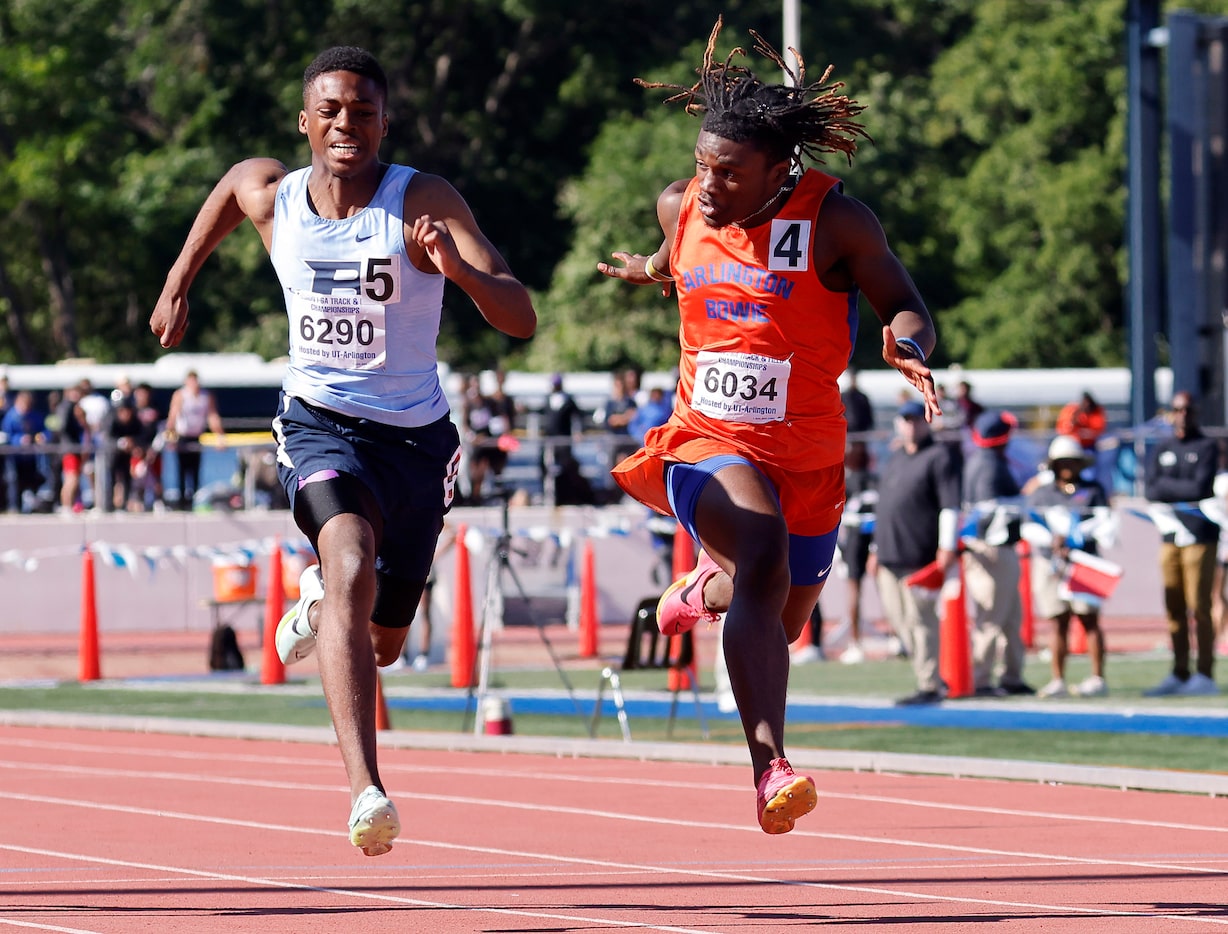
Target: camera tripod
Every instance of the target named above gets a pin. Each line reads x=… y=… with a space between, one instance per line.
x=492 y=609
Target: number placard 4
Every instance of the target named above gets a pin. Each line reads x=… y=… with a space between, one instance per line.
x=790 y=245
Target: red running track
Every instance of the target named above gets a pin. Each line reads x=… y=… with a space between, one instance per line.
x=119 y=832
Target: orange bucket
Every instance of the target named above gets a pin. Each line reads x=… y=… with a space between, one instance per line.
x=233 y=580
x=292 y=568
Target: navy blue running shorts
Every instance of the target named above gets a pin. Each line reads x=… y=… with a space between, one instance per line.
x=409 y=472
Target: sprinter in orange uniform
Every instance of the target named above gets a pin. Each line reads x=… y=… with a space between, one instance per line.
x=768 y=260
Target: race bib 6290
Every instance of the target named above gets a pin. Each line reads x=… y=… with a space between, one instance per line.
x=345 y=332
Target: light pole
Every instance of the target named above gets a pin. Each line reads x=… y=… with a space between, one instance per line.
x=792 y=16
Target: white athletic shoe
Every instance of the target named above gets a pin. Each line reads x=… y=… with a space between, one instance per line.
x=295 y=638
x=1055 y=688
x=1092 y=686
x=421 y=662
x=1199 y=685
x=374 y=823
x=853 y=655
x=807 y=654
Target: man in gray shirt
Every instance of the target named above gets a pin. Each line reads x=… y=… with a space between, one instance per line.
x=916 y=525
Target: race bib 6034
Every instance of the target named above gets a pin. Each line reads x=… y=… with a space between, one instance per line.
x=740 y=387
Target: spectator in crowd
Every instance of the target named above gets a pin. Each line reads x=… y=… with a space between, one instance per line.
x=478 y=419
x=1084 y=420
x=991 y=564
x=74 y=439
x=23 y=426
x=122 y=392
x=422 y=622
x=633 y=378
x=193 y=409
x=967 y=409
x=561 y=418
x=855 y=540
x=655 y=411
x=916 y=524
x=811 y=650
x=123 y=431
x=147 y=457
x=572 y=487
x=505 y=409
x=859 y=416
x=615 y=415
x=97 y=409
x=944 y=400
x=1062 y=492
x=859 y=497
x=1181 y=470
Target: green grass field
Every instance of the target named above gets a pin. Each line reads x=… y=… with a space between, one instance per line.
x=303 y=706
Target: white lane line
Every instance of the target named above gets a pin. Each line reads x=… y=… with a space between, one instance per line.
x=657 y=870
x=345 y=893
x=579 y=778
x=46 y=927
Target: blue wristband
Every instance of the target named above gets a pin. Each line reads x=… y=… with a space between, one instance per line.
x=912 y=345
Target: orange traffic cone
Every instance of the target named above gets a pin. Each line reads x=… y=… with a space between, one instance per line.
x=684 y=562
x=463 y=648
x=272 y=671
x=954 y=651
x=676 y=678
x=588 y=603
x=89 y=668
x=381 y=705
x=1027 y=627
x=684 y=553
x=806 y=635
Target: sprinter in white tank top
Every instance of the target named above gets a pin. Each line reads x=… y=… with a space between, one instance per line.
x=385 y=324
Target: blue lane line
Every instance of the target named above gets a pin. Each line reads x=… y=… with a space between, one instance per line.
x=942 y=715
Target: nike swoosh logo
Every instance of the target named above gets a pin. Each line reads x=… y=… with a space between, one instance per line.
x=685 y=595
x=361 y=237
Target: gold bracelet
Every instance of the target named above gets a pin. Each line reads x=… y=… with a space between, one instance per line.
x=655 y=274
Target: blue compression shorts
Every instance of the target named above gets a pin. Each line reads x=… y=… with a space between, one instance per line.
x=810 y=556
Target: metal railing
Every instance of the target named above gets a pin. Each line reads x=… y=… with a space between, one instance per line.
x=535 y=463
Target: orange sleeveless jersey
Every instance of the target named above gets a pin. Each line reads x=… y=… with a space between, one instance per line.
x=763 y=343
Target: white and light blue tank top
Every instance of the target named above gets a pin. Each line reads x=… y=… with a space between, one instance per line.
x=363 y=320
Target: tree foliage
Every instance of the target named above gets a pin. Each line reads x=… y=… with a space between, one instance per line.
x=997 y=163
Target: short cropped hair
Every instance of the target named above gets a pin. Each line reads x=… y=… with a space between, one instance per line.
x=346 y=58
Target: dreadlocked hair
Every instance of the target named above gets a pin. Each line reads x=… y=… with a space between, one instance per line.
x=789 y=121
